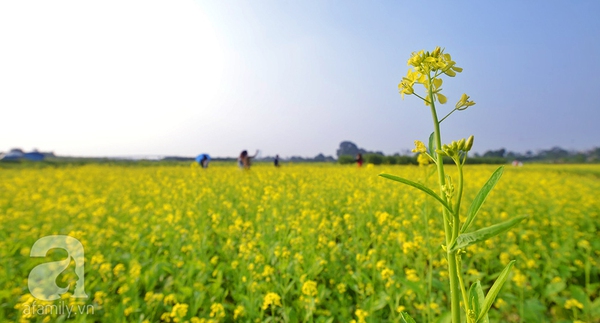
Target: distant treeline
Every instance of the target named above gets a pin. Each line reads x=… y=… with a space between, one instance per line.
x=347 y=154
x=378 y=159
x=555 y=155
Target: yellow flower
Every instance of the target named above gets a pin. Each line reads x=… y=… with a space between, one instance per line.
x=99 y=297
x=442 y=98
x=169 y=299
x=309 y=288
x=464 y=102
x=572 y=303
x=179 y=311
x=407 y=83
x=361 y=315
x=238 y=312
x=419 y=147
x=217 y=310
x=386 y=273
x=135 y=269
x=499 y=303
x=119 y=268
x=128 y=311
x=411 y=274
x=423 y=159
x=271 y=299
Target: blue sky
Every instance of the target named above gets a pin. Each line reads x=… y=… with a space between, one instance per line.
x=113 y=78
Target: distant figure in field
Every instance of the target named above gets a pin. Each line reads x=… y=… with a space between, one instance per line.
x=359 y=160
x=244 y=159
x=276 y=161
x=203 y=160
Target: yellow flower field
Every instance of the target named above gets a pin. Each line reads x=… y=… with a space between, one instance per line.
x=300 y=243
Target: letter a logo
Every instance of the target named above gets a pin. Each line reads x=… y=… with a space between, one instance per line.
x=42 y=278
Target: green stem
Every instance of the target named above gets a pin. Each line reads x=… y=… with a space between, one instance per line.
x=430 y=263
x=450 y=229
x=462 y=285
x=444 y=118
x=460 y=187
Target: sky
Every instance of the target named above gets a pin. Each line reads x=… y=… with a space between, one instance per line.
x=158 y=78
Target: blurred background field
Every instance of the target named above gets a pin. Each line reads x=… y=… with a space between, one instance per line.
x=173 y=242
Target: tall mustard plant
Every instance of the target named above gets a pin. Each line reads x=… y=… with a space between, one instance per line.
x=427 y=69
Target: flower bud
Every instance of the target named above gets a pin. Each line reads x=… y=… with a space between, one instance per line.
x=461 y=144
x=469 y=143
x=454 y=146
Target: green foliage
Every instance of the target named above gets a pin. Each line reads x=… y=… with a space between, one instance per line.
x=480 y=198
x=346 y=159
x=374 y=159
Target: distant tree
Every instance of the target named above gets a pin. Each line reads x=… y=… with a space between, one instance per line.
x=375 y=159
x=495 y=153
x=346 y=159
x=349 y=148
x=391 y=160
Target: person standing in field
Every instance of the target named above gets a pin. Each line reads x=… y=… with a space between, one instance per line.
x=359 y=160
x=204 y=161
x=244 y=160
x=276 y=161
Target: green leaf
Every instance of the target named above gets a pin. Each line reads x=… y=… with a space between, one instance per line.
x=406 y=318
x=595 y=307
x=419 y=187
x=446 y=317
x=381 y=302
x=476 y=298
x=480 y=198
x=554 y=288
x=431 y=148
x=493 y=292
x=534 y=310
x=466 y=239
x=417 y=288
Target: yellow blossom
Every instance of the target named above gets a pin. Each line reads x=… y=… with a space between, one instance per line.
x=419 y=147
x=309 y=288
x=217 y=310
x=271 y=299
x=361 y=315
x=573 y=303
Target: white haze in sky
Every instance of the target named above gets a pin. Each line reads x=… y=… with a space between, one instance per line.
x=131 y=78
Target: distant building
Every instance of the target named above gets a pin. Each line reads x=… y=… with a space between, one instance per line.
x=13 y=154
x=18 y=154
x=34 y=156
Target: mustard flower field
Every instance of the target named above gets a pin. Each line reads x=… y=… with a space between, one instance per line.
x=299 y=243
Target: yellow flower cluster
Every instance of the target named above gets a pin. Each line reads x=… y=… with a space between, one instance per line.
x=271 y=299
x=426 y=68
